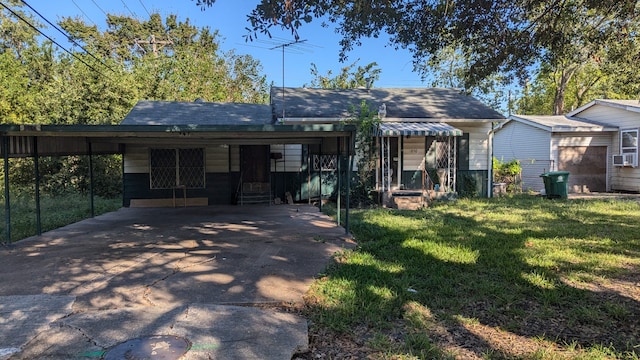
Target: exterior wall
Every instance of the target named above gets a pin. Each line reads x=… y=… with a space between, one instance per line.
x=291 y=160
x=611 y=116
x=620 y=178
x=530 y=145
x=219 y=181
x=478 y=144
x=412 y=162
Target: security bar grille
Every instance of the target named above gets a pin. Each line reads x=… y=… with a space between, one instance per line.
x=325 y=162
x=170 y=168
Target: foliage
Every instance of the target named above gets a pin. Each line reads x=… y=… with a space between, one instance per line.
x=366 y=121
x=39 y=84
x=507 y=172
x=348 y=78
x=469 y=186
x=516 y=272
x=496 y=36
x=56 y=211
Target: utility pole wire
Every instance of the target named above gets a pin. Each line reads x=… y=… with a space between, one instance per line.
x=98 y=6
x=83 y=13
x=154 y=44
x=52 y=40
x=145 y=8
x=67 y=36
x=126 y=7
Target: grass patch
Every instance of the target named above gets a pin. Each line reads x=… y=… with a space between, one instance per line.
x=526 y=266
x=56 y=211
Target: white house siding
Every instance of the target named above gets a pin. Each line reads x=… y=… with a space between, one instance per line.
x=413 y=155
x=478 y=144
x=620 y=178
x=217 y=159
x=136 y=160
x=611 y=116
x=291 y=160
x=528 y=144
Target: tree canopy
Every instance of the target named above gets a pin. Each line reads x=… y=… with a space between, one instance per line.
x=497 y=40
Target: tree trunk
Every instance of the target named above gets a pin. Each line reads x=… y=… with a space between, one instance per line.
x=562 y=82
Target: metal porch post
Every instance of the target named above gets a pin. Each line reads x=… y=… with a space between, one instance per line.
x=352 y=146
x=7 y=205
x=36 y=170
x=93 y=208
x=339 y=181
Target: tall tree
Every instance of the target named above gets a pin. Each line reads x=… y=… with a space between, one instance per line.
x=174 y=60
x=349 y=77
x=497 y=36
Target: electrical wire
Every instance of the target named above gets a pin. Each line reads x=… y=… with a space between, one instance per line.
x=67 y=36
x=83 y=13
x=145 y=8
x=52 y=40
x=98 y=6
x=126 y=7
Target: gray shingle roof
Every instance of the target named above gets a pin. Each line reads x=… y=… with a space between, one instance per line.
x=406 y=103
x=560 y=123
x=197 y=113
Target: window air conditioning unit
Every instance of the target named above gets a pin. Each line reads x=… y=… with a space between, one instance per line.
x=625 y=160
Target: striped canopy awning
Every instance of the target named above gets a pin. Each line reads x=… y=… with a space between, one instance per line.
x=417 y=129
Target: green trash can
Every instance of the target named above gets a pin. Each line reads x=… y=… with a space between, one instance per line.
x=556 y=184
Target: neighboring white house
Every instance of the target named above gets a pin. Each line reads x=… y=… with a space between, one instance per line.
x=586 y=142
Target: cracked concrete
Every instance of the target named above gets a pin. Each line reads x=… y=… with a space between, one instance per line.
x=77 y=291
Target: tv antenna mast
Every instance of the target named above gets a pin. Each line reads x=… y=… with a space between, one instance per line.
x=283 y=46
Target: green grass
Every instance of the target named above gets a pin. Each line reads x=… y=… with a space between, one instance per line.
x=525 y=265
x=56 y=211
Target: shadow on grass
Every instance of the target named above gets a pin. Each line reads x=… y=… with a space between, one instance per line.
x=534 y=268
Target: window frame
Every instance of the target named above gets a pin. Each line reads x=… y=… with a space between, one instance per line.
x=175 y=181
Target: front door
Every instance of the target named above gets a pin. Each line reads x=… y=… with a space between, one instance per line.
x=255 y=172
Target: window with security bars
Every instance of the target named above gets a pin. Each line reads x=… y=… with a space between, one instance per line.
x=325 y=162
x=170 y=168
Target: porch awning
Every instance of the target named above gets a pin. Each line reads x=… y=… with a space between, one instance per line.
x=417 y=129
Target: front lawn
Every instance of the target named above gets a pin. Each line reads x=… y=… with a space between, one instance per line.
x=55 y=212
x=508 y=278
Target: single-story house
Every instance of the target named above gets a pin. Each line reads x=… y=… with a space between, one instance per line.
x=180 y=153
x=427 y=138
x=596 y=143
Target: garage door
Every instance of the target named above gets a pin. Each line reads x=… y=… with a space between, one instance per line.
x=587 y=166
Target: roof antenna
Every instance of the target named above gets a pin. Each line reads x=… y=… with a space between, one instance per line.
x=283 y=46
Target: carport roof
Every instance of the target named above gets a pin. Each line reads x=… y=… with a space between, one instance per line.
x=75 y=139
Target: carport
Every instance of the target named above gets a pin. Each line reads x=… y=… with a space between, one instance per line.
x=218 y=276
x=89 y=140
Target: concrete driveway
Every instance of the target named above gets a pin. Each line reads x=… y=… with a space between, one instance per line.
x=193 y=274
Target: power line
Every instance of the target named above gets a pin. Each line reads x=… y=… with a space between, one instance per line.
x=126 y=7
x=67 y=36
x=145 y=8
x=98 y=6
x=83 y=13
x=52 y=40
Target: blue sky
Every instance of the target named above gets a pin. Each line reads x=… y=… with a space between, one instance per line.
x=229 y=18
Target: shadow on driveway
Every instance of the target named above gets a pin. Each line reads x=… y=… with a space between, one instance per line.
x=158 y=265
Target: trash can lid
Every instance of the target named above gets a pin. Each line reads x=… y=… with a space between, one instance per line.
x=558 y=173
